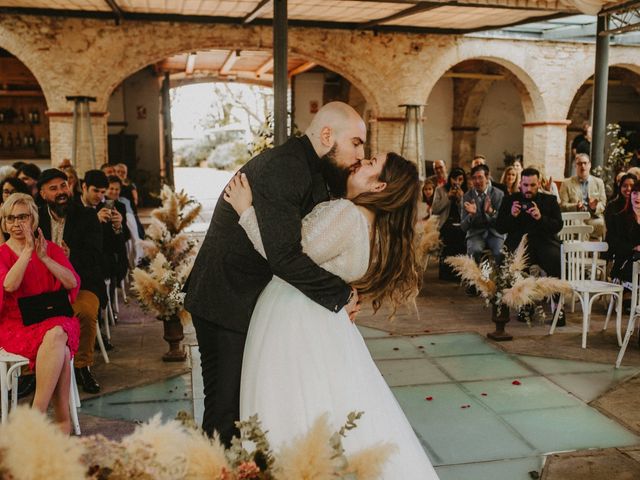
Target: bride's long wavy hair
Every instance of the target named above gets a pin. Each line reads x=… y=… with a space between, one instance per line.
x=393 y=273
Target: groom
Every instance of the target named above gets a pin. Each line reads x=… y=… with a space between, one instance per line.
x=229 y=275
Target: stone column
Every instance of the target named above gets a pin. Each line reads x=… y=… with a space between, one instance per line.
x=61 y=134
x=388 y=133
x=544 y=144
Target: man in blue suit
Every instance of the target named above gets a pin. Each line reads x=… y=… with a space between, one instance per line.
x=480 y=207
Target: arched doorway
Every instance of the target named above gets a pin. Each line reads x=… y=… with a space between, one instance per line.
x=24 y=126
x=623 y=105
x=476 y=107
x=137 y=106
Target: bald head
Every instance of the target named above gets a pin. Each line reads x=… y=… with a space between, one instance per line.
x=335 y=124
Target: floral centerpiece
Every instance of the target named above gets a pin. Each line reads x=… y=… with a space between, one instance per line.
x=33 y=447
x=506 y=285
x=169 y=254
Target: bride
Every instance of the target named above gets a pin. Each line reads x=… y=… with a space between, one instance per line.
x=302 y=360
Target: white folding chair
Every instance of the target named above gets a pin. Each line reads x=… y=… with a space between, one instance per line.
x=579 y=267
x=10 y=366
x=635 y=311
x=575 y=218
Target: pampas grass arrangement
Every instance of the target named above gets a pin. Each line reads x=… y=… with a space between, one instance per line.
x=169 y=254
x=507 y=284
x=429 y=242
x=32 y=448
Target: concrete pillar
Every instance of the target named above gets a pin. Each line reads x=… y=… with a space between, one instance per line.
x=544 y=144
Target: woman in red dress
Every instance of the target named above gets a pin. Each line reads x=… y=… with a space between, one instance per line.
x=32 y=266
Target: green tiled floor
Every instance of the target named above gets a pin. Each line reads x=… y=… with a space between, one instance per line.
x=477 y=424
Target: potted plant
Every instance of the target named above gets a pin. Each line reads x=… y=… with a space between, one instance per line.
x=507 y=285
x=168 y=257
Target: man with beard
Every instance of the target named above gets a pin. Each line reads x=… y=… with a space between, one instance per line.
x=229 y=274
x=77 y=231
x=536 y=214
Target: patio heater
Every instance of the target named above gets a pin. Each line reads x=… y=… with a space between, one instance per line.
x=413 y=137
x=83 y=153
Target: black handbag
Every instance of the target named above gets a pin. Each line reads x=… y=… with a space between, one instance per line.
x=38 y=308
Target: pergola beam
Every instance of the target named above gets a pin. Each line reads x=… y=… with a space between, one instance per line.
x=570 y=31
x=421 y=7
x=265 y=67
x=191 y=63
x=301 y=69
x=229 y=62
x=117 y=11
x=256 y=11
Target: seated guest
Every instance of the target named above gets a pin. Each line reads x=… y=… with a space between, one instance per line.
x=479 y=214
x=585 y=193
x=73 y=181
x=538 y=215
x=624 y=186
x=130 y=192
x=76 y=229
x=30 y=267
x=547 y=185
x=7 y=171
x=447 y=204
x=481 y=160
x=113 y=193
x=114 y=231
x=517 y=164
x=625 y=237
x=29 y=174
x=511 y=180
x=108 y=169
x=439 y=179
x=426 y=200
x=12 y=185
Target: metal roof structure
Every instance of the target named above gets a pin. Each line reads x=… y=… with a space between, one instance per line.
x=430 y=16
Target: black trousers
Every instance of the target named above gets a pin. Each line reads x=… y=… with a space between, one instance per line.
x=547 y=256
x=221 y=353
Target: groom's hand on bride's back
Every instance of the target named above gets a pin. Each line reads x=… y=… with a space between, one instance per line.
x=353 y=307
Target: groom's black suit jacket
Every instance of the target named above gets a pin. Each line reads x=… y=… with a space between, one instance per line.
x=229 y=274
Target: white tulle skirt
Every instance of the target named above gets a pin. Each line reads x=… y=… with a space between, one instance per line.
x=302 y=361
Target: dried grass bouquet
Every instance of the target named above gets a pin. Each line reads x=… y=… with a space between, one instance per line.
x=507 y=284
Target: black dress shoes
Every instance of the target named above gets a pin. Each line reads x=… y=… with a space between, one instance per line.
x=26 y=385
x=86 y=380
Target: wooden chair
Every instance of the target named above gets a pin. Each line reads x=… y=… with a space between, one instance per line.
x=579 y=268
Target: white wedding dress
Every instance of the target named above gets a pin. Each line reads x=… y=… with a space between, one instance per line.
x=302 y=360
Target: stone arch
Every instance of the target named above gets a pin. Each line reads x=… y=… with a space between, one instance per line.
x=16 y=48
x=471 y=85
x=533 y=103
x=248 y=38
x=579 y=111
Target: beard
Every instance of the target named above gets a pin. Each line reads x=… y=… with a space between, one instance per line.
x=59 y=205
x=335 y=175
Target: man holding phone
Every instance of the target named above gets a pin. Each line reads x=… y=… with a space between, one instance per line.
x=536 y=214
x=114 y=231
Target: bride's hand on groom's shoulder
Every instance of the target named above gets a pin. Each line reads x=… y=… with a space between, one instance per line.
x=238 y=193
x=353 y=307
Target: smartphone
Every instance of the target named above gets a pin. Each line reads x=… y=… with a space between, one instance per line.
x=110 y=204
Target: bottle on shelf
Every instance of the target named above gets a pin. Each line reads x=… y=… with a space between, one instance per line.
x=21 y=117
x=9 y=141
x=18 y=140
x=1 y=142
x=2 y=116
x=36 y=116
